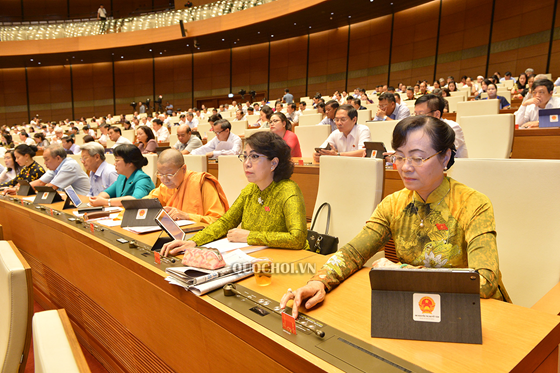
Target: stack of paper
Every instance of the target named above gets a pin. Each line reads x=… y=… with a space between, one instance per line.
x=201 y=281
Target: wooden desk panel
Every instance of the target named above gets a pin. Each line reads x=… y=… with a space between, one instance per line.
x=132 y=320
x=536 y=143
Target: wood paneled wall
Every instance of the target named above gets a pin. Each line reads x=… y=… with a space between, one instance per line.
x=476 y=37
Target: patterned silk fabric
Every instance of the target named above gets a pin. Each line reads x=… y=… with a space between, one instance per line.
x=29 y=173
x=275 y=217
x=453 y=228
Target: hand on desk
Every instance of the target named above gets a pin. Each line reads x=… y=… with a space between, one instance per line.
x=176 y=247
x=176 y=214
x=98 y=201
x=10 y=191
x=237 y=235
x=314 y=290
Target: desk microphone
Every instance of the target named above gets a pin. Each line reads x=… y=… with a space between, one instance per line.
x=230 y=290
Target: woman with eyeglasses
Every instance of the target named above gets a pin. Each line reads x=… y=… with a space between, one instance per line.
x=281 y=126
x=434 y=222
x=270 y=209
x=132 y=183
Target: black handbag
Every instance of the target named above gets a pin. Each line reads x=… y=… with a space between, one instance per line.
x=322 y=243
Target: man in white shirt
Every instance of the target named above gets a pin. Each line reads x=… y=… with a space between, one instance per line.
x=330 y=110
x=239 y=116
x=527 y=115
x=103 y=138
x=192 y=122
x=348 y=140
x=101 y=173
x=115 y=135
x=388 y=109
x=101 y=13
x=57 y=139
x=161 y=131
x=432 y=105
x=225 y=142
x=292 y=113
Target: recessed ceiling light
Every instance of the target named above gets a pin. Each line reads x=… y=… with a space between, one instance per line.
x=32 y=60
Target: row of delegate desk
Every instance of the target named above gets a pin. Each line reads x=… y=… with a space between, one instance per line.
x=132 y=320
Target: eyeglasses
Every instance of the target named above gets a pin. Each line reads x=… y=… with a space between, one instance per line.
x=431 y=111
x=168 y=176
x=275 y=121
x=415 y=161
x=341 y=120
x=254 y=158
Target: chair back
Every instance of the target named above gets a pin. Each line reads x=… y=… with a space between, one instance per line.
x=150 y=169
x=16 y=308
x=480 y=107
x=239 y=127
x=41 y=160
x=204 y=130
x=382 y=131
x=55 y=346
x=173 y=138
x=311 y=137
x=453 y=100
x=198 y=163
x=231 y=176
x=310 y=119
x=349 y=211
x=526 y=220
x=489 y=136
x=364 y=116
x=129 y=134
x=252 y=119
x=249 y=132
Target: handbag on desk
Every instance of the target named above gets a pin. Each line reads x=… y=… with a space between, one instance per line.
x=319 y=242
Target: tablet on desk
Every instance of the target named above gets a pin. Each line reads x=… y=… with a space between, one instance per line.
x=374 y=149
x=549 y=118
x=169 y=225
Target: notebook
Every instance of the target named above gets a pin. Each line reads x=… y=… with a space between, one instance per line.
x=426 y=304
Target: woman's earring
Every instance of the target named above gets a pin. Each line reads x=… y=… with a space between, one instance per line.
x=445 y=168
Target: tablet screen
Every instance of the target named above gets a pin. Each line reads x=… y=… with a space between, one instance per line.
x=169 y=225
x=73 y=195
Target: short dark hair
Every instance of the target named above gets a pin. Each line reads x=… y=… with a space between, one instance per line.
x=440 y=133
x=273 y=146
x=148 y=131
x=357 y=101
x=24 y=133
x=223 y=123
x=332 y=103
x=350 y=110
x=435 y=102
x=303 y=103
x=158 y=121
x=214 y=118
x=116 y=129
x=292 y=105
x=88 y=138
x=544 y=83
x=284 y=119
x=387 y=96
x=286 y=90
x=68 y=139
x=39 y=135
x=131 y=154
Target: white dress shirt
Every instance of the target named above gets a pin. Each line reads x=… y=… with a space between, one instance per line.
x=530 y=113
x=232 y=146
x=162 y=134
x=400 y=112
x=354 y=141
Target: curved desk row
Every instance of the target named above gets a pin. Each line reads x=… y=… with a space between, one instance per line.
x=132 y=320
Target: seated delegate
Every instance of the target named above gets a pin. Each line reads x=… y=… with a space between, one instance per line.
x=270 y=209
x=186 y=194
x=348 y=140
x=132 y=182
x=11 y=169
x=63 y=171
x=281 y=126
x=29 y=169
x=435 y=221
x=146 y=140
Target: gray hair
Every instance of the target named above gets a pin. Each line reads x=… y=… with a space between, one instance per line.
x=94 y=148
x=56 y=151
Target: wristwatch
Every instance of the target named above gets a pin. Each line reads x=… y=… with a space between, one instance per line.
x=385 y=117
x=109 y=202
